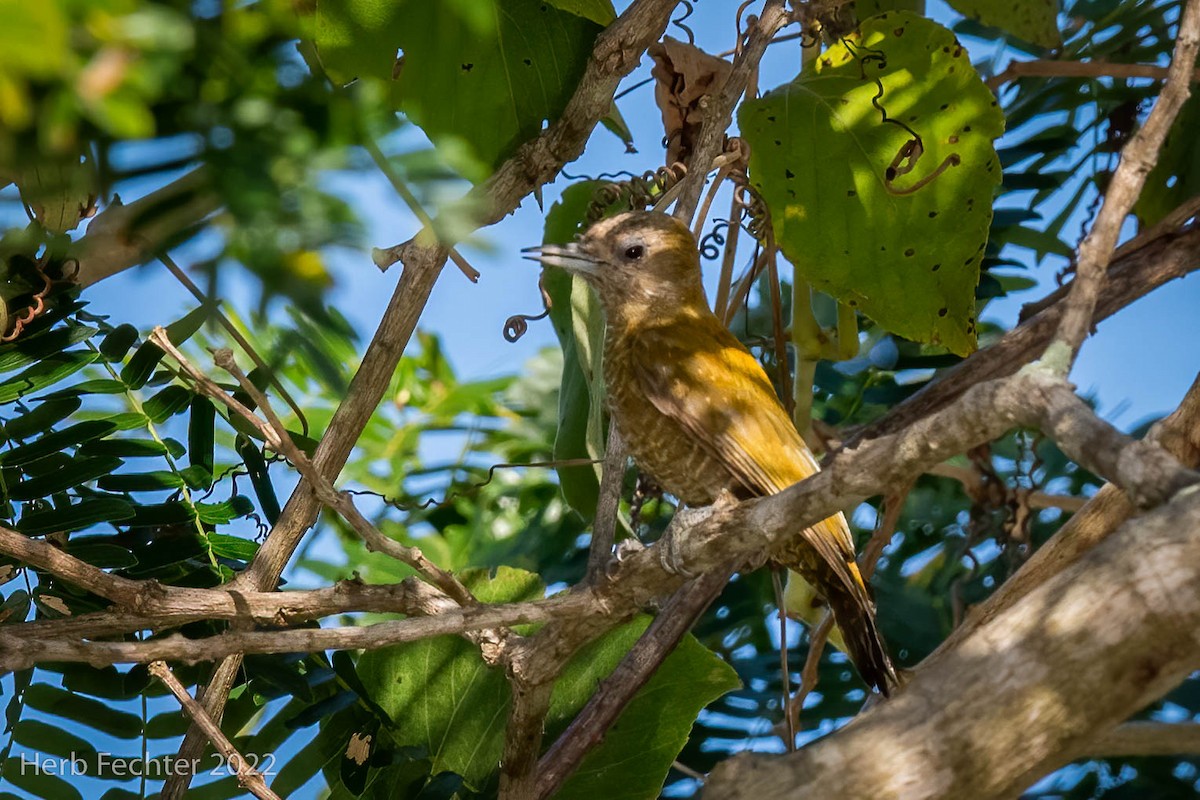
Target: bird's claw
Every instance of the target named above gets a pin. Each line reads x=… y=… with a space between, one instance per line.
x=624 y=549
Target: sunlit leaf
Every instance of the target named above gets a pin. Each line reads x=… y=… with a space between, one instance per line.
x=901 y=247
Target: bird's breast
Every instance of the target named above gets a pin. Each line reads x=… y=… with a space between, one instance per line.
x=663 y=448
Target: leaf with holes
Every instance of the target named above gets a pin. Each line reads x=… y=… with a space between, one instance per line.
x=489 y=78
x=896 y=233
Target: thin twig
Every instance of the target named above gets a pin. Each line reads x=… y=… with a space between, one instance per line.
x=249 y=778
x=1138 y=157
x=725 y=282
x=414 y=205
x=1044 y=68
x=21 y=649
x=237 y=336
x=278 y=438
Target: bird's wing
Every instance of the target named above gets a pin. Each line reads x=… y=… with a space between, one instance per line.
x=706 y=380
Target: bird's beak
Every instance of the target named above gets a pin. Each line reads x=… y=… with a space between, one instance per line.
x=570 y=257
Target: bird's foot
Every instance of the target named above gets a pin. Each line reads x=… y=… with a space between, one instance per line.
x=670 y=544
x=724 y=500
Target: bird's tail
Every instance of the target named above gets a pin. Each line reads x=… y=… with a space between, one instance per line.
x=854 y=613
x=825 y=559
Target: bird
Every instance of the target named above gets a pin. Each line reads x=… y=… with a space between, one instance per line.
x=697 y=410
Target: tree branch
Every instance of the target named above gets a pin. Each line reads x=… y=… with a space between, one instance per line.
x=608 y=504
x=123 y=236
x=1146 y=739
x=1027 y=690
x=22 y=646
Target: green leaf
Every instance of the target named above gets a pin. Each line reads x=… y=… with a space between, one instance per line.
x=260 y=478
x=53 y=442
x=35 y=38
x=1176 y=176
x=118 y=341
x=167 y=403
x=196 y=477
x=167 y=725
x=104 y=682
x=489 y=87
x=155 y=481
x=95 y=386
x=901 y=247
x=24 y=352
x=15 y=607
x=1042 y=243
x=81 y=515
x=46 y=372
x=637 y=752
x=41 y=418
x=201 y=448
x=124 y=448
x=101 y=554
x=440 y=694
x=60 y=190
x=38 y=782
x=1033 y=21
x=47 y=739
x=79 y=471
x=600 y=12
x=865 y=9
x=225 y=512
x=129 y=420
x=83 y=711
x=163 y=514
x=233 y=547
x=578 y=322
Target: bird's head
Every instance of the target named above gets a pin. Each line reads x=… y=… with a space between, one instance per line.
x=640 y=261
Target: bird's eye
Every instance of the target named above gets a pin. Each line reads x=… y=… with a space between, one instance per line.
x=635 y=252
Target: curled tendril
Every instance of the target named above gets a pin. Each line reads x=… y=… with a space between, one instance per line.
x=754 y=210
x=603 y=176
x=635 y=192
x=30 y=313
x=678 y=22
x=711 y=244
x=911 y=151
x=517 y=325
